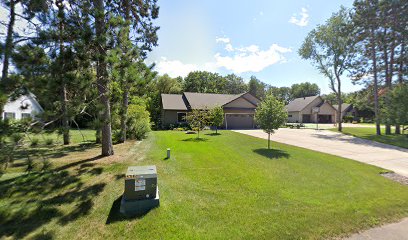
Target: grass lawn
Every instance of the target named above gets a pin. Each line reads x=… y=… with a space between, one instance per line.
x=369 y=133
x=80 y=139
x=224 y=186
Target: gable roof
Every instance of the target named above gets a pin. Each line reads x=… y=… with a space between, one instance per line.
x=298 y=104
x=173 y=102
x=209 y=100
x=344 y=106
x=190 y=100
x=21 y=97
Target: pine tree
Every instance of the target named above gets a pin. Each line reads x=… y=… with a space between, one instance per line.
x=102 y=78
x=366 y=23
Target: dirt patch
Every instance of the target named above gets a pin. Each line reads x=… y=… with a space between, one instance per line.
x=396 y=177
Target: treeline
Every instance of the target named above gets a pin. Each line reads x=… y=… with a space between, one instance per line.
x=369 y=44
x=85 y=62
x=208 y=82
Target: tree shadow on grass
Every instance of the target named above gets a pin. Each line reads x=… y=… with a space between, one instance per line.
x=47 y=152
x=33 y=200
x=212 y=134
x=44 y=236
x=195 y=139
x=271 y=153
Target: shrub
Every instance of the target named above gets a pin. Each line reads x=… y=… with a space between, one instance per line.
x=138 y=121
x=49 y=141
x=34 y=142
x=348 y=119
x=16 y=138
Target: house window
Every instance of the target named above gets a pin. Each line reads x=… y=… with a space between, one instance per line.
x=9 y=115
x=25 y=115
x=289 y=115
x=181 y=117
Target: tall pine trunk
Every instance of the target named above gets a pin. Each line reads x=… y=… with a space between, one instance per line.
x=125 y=97
x=376 y=105
x=387 y=81
x=65 y=120
x=8 y=46
x=8 y=49
x=102 y=78
x=400 y=77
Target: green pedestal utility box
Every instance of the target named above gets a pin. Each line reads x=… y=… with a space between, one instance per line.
x=140 y=183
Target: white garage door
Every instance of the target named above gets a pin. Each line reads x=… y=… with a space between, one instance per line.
x=239 y=121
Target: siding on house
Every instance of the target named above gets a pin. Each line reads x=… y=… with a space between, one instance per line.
x=301 y=110
x=170 y=116
x=22 y=107
x=239 y=109
x=293 y=117
x=240 y=103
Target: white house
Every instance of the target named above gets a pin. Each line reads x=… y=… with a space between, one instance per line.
x=25 y=106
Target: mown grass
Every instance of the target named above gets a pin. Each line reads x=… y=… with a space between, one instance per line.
x=370 y=134
x=51 y=151
x=226 y=186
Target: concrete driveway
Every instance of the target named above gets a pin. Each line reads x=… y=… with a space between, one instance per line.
x=378 y=154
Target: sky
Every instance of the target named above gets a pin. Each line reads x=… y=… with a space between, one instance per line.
x=258 y=37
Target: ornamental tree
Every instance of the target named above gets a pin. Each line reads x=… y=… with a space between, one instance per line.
x=217 y=117
x=270 y=115
x=198 y=119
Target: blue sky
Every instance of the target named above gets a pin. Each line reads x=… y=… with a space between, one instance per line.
x=257 y=37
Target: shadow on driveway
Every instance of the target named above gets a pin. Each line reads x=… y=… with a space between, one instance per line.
x=355 y=140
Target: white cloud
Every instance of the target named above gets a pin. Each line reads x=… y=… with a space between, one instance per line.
x=229 y=47
x=251 y=58
x=176 y=68
x=261 y=13
x=303 y=20
x=222 y=40
x=238 y=60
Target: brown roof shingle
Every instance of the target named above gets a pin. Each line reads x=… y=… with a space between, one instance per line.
x=173 y=102
x=299 y=104
x=208 y=100
x=190 y=100
x=344 y=106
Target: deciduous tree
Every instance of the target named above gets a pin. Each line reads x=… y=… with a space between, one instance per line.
x=330 y=47
x=198 y=119
x=270 y=115
x=217 y=117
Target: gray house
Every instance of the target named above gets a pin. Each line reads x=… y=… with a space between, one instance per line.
x=310 y=110
x=239 y=109
x=347 y=110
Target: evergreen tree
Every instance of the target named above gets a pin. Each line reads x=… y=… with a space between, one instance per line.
x=366 y=23
x=102 y=78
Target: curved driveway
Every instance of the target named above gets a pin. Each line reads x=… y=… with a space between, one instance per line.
x=378 y=154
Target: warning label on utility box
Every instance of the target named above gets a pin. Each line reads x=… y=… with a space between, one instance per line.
x=140 y=184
